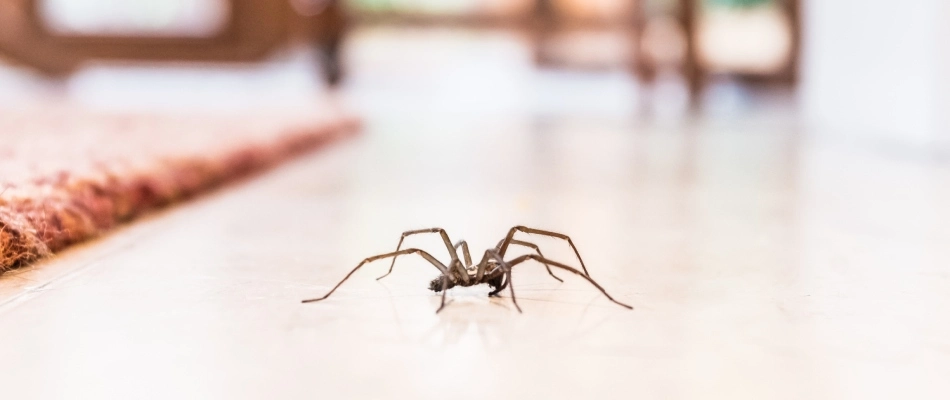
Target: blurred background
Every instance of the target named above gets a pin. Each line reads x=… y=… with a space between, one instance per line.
x=670 y=55
x=665 y=56
x=866 y=69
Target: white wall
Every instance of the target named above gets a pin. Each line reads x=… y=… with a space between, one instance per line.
x=878 y=68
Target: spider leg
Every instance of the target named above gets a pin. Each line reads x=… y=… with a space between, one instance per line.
x=483 y=276
x=507 y=268
x=480 y=271
x=511 y=233
x=504 y=284
x=445 y=239
x=468 y=256
x=526 y=257
x=422 y=253
x=537 y=249
x=445 y=284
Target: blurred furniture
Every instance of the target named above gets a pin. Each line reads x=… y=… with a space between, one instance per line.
x=588 y=34
x=646 y=36
x=253 y=29
x=671 y=36
x=699 y=71
x=507 y=14
x=768 y=31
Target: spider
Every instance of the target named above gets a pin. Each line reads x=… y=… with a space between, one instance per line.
x=492 y=269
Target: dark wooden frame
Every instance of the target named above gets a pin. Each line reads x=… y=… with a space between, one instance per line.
x=255 y=28
x=786 y=76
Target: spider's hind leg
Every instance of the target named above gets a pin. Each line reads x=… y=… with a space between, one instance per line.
x=440 y=231
x=428 y=257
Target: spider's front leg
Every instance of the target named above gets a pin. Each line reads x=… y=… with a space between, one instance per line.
x=507 y=268
x=536 y=249
x=498 y=277
x=526 y=257
x=509 y=239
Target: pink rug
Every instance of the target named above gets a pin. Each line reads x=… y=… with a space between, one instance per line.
x=67 y=176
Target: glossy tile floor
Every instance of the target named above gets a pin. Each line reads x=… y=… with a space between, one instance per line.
x=763 y=261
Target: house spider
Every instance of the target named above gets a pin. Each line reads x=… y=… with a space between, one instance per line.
x=492 y=269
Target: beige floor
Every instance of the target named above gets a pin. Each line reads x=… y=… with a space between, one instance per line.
x=763 y=262
x=760 y=266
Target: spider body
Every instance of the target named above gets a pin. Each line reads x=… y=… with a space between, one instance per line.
x=494 y=278
x=493 y=269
